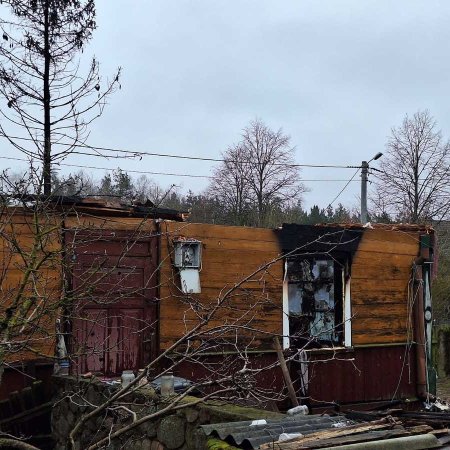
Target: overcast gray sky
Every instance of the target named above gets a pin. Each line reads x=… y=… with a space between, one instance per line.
x=335 y=75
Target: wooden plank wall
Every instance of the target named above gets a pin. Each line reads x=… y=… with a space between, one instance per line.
x=381 y=271
x=89 y=222
x=19 y=241
x=229 y=255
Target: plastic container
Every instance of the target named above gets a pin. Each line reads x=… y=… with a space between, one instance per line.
x=167 y=384
x=64 y=367
x=127 y=377
x=302 y=409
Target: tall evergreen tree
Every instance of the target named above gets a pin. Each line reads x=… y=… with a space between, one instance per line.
x=48 y=102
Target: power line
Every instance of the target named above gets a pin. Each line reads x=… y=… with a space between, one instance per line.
x=137 y=153
x=79 y=166
x=155 y=173
x=345 y=187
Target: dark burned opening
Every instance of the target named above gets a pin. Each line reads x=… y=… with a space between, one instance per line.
x=318 y=265
x=315 y=299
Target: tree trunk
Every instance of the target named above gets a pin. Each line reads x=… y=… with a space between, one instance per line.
x=415 y=215
x=46 y=160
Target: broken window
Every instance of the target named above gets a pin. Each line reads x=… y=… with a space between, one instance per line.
x=315 y=300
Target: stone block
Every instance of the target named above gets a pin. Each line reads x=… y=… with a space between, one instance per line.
x=155 y=445
x=171 y=432
x=191 y=414
x=195 y=438
x=148 y=429
x=204 y=416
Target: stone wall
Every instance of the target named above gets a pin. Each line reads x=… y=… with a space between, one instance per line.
x=175 y=430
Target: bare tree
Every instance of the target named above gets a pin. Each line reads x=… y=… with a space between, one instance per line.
x=273 y=178
x=231 y=187
x=30 y=265
x=414 y=184
x=48 y=103
x=147 y=189
x=78 y=183
x=258 y=172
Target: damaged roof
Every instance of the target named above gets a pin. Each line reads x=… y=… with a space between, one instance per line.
x=335 y=238
x=109 y=206
x=421 y=228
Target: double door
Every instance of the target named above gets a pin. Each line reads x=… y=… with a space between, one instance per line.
x=113 y=307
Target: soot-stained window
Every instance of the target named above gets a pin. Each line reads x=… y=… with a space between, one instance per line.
x=315 y=299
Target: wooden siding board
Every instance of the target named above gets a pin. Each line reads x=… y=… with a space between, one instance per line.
x=388 y=325
x=393 y=247
x=382 y=258
x=238 y=244
x=380 y=273
x=379 y=338
x=204 y=231
x=109 y=223
x=241 y=239
x=380 y=311
x=405 y=237
x=364 y=293
x=381 y=270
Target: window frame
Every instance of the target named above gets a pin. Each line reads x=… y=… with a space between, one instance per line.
x=345 y=303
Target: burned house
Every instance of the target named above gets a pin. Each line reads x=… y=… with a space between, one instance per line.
x=350 y=305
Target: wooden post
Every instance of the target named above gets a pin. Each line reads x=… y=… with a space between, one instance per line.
x=286 y=375
x=419 y=334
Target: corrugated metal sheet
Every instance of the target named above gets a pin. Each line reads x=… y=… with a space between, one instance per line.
x=372 y=374
x=246 y=435
x=369 y=374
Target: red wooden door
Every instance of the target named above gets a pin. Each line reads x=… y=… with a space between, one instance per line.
x=114 y=309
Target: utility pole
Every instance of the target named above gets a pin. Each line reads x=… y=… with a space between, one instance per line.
x=364 y=176
x=364 y=172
